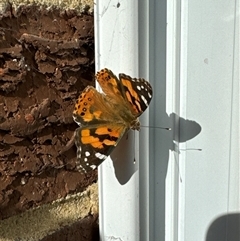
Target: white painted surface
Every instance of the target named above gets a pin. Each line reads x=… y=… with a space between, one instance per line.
x=210 y=96
x=189 y=51
x=116 y=39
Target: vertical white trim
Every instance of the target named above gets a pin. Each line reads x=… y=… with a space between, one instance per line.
x=155 y=198
x=173 y=59
x=182 y=113
x=209 y=97
x=116 y=41
x=143 y=35
x=126 y=39
x=234 y=153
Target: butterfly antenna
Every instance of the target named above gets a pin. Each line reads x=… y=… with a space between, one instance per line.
x=158 y=127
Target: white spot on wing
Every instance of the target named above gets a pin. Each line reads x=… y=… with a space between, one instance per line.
x=87 y=153
x=93 y=166
x=100 y=156
x=144 y=100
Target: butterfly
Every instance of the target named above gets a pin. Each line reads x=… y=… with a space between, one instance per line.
x=105 y=117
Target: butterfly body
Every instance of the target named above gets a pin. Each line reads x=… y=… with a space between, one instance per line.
x=105 y=117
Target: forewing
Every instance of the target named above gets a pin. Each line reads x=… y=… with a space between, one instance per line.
x=137 y=92
x=92 y=108
x=95 y=143
x=110 y=85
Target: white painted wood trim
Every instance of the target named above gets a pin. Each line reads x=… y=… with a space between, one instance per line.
x=117 y=48
x=189 y=51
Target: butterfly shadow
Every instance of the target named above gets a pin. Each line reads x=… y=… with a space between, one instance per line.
x=123 y=158
x=185 y=131
x=124 y=155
